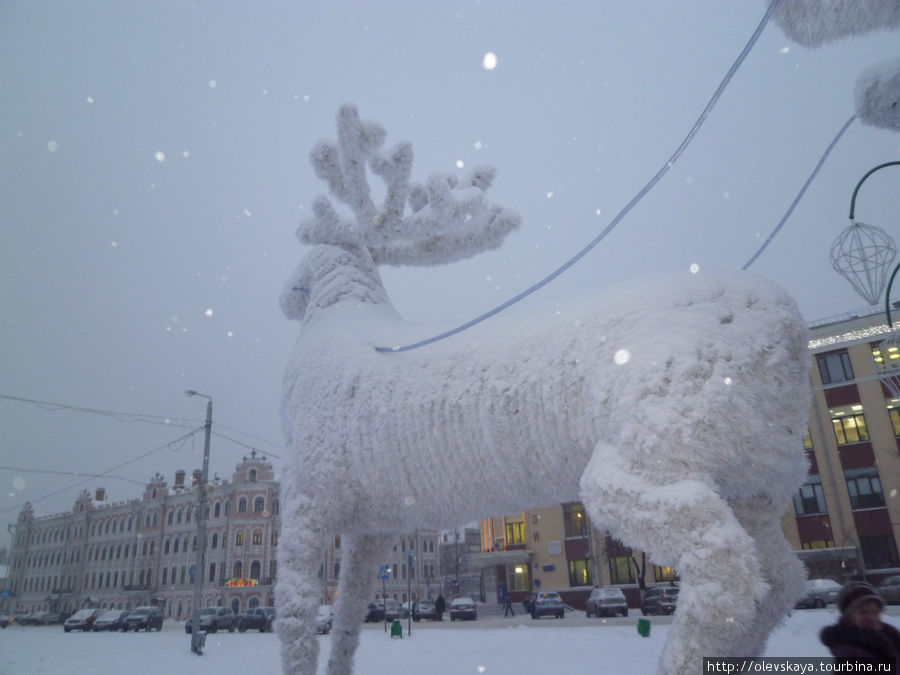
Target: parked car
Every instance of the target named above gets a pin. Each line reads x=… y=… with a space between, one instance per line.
x=463 y=608
x=256 y=618
x=42 y=618
x=4 y=620
x=606 y=601
x=81 y=620
x=111 y=619
x=890 y=590
x=213 y=619
x=819 y=592
x=146 y=617
x=18 y=616
x=393 y=610
x=324 y=619
x=546 y=603
x=660 y=600
x=424 y=609
x=374 y=612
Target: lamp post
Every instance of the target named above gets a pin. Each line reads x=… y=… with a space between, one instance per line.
x=409 y=571
x=863 y=254
x=196 y=639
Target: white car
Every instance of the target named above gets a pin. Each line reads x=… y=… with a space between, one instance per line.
x=819 y=592
x=324 y=619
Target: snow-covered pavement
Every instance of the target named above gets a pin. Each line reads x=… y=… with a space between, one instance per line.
x=491 y=646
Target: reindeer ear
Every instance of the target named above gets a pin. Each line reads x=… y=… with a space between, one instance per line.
x=294 y=296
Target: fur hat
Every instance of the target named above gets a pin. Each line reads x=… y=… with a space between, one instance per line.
x=854 y=594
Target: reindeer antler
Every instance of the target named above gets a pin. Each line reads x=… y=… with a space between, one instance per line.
x=448 y=220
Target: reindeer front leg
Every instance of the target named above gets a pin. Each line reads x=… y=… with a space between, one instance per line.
x=360 y=559
x=782 y=570
x=297 y=590
x=684 y=523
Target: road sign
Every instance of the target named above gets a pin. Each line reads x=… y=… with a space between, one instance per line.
x=5 y=593
x=384 y=572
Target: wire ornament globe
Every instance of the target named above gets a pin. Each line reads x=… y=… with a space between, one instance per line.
x=889 y=368
x=863 y=255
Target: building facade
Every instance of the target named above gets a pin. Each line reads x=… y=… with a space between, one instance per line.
x=143 y=551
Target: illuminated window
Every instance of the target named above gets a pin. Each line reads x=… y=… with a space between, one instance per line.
x=575 y=520
x=257 y=537
x=517 y=577
x=807 y=441
x=239 y=539
x=849 y=424
x=664 y=573
x=515 y=530
x=817 y=543
x=580 y=572
x=885 y=361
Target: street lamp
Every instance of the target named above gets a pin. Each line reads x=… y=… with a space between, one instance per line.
x=409 y=571
x=863 y=254
x=196 y=639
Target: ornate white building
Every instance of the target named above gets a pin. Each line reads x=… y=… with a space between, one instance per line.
x=143 y=551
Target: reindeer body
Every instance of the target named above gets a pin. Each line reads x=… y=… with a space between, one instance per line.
x=673 y=409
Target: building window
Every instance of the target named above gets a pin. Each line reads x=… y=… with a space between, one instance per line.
x=212 y=572
x=257 y=537
x=165 y=574
x=256 y=570
x=217 y=510
x=864 y=487
x=215 y=541
x=664 y=573
x=580 y=572
x=807 y=441
x=239 y=539
x=178 y=517
x=575 y=520
x=835 y=367
x=816 y=543
x=621 y=570
x=849 y=424
x=238 y=569
x=517 y=577
x=893 y=408
x=885 y=361
x=811 y=498
x=515 y=530
x=170 y=517
x=252 y=475
x=242 y=505
x=227 y=507
x=879 y=551
x=259 y=505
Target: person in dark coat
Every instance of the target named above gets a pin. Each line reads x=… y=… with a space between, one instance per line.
x=860 y=635
x=439 y=606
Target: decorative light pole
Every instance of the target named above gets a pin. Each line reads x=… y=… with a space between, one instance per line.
x=197 y=639
x=410 y=561
x=863 y=254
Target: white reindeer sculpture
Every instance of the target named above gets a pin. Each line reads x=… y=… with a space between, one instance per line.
x=674 y=410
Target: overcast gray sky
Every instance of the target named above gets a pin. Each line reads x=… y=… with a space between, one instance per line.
x=154 y=161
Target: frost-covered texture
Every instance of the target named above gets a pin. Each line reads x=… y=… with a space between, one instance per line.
x=674 y=409
x=813 y=23
x=878 y=95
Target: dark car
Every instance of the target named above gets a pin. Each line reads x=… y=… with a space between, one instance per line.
x=42 y=618
x=81 y=620
x=111 y=619
x=463 y=608
x=324 y=619
x=424 y=609
x=256 y=618
x=214 y=619
x=545 y=603
x=374 y=612
x=660 y=600
x=606 y=601
x=147 y=617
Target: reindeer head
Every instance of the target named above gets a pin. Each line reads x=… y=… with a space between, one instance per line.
x=447 y=220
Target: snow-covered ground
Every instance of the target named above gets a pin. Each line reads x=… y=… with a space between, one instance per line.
x=493 y=646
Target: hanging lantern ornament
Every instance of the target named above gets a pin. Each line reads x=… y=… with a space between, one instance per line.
x=863 y=254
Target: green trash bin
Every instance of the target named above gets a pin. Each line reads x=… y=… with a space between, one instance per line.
x=396 y=629
x=643 y=626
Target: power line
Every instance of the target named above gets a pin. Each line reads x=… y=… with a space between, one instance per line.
x=234 y=440
x=19 y=469
x=114 y=414
x=180 y=440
